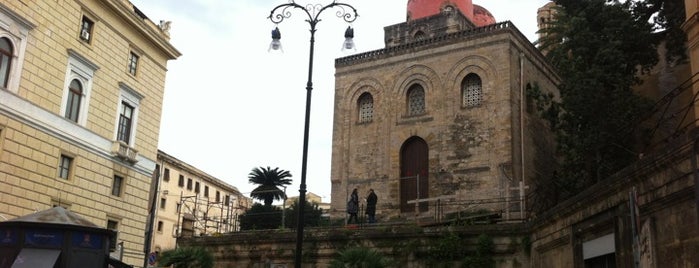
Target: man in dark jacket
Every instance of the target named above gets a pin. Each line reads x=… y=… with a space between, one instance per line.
x=353 y=207
x=371 y=200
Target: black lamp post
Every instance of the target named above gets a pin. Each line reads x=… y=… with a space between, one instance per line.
x=313 y=11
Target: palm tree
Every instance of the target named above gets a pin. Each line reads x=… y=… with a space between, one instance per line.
x=268 y=181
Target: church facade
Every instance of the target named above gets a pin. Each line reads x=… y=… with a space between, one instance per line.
x=438 y=121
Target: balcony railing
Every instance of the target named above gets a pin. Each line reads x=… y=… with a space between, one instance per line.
x=122 y=150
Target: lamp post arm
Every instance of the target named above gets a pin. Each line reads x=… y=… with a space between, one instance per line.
x=345 y=11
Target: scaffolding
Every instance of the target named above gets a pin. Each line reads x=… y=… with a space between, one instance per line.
x=197 y=216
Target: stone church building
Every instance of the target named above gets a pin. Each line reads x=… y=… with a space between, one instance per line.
x=438 y=121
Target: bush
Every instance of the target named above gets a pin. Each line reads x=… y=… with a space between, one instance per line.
x=359 y=257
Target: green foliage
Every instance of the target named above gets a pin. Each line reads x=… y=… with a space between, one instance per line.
x=312 y=215
x=483 y=257
x=187 y=257
x=268 y=181
x=260 y=217
x=599 y=48
x=359 y=257
x=668 y=17
x=447 y=249
x=450 y=249
x=544 y=104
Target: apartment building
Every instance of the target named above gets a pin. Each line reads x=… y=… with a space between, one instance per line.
x=81 y=91
x=191 y=202
x=310 y=198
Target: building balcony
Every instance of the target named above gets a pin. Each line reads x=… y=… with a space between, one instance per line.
x=122 y=150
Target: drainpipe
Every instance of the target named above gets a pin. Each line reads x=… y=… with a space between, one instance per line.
x=521 y=134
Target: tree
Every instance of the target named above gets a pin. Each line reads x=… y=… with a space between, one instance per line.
x=187 y=257
x=600 y=48
x=668 y=17
x=312 y=214
x=268 y=181
x=260 y=217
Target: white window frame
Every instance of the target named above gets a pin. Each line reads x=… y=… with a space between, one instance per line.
x=16 y=29
x=136 y=65
x=81 y=69
x=122 y=185
x=70 y=168
x=132 y=98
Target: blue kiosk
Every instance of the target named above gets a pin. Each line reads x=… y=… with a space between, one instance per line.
x=55 y=238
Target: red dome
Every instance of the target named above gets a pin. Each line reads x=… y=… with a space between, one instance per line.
x=424 y=8
x=481 y=16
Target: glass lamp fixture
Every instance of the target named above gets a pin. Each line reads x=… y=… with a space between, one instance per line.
x=276 y=45
x=349 y=43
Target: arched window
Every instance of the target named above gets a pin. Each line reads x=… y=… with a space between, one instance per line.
x=366 y=108
x=471 y=91
x=5 y=61
x=75 y=94
x=419 y=35
x=416 y=100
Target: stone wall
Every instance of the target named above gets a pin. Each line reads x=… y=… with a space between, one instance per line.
x=475 y=153
x=404 y=245
x=667 y=225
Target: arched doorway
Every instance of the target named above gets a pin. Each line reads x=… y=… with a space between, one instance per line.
x=413 y=173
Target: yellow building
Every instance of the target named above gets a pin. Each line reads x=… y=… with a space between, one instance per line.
x=193 y=203
x=81 y=91
x=310 y=198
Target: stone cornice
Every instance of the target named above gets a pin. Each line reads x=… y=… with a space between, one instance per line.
x=145 y=26
x=16 y=17
x=501 y=27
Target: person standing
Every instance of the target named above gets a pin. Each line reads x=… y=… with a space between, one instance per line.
x=371 y=200
x=353 y=207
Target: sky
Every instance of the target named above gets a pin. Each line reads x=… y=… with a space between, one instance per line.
x=231 y=106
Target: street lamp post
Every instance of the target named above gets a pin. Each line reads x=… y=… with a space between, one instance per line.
x=313 y=11
x=284 y=210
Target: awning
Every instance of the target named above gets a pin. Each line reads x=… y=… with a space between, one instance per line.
x=598 y=247
x=36 y=258
x=114 y=263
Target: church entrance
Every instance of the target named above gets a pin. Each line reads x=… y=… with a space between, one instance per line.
x=414 y=181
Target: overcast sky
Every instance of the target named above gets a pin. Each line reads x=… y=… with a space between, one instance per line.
x=231 y=106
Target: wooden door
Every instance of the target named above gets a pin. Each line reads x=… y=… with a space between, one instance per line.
x=413 y=162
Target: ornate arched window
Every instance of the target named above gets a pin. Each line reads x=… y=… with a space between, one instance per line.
x=416 y=100
x=75 y=93
x=419 y=35
x=365 y=105
x=5 y=61
x=471 y=91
